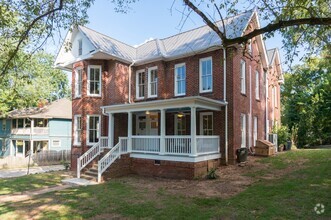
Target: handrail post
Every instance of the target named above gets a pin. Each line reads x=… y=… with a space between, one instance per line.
x=163 y=132
x=78 y=167
x=129 y=132
x=99 y=172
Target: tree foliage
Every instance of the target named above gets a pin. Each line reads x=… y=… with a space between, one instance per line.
x=306 y=100
x=304 y=23
x=32 y=82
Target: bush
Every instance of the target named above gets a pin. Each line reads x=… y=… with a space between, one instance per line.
x=283 y=134
x=212 y=174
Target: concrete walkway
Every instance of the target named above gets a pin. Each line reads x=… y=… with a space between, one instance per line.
x=33 y=170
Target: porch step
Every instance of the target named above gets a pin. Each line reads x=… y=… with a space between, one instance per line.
x=88 y=177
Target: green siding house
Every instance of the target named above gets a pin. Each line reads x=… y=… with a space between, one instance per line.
x=36 y=129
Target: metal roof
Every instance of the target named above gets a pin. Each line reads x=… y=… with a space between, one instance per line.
x=192 y=41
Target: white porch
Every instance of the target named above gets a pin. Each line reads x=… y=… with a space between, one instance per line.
x=149 y=135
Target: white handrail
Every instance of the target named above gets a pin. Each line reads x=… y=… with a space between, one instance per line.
x=108 y=159
x=87 y=157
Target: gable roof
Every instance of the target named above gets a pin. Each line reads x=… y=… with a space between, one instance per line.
x=183 y=44
x=61 y=109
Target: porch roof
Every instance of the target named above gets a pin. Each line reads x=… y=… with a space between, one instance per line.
x=192 y=101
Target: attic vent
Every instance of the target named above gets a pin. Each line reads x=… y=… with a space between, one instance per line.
x=80 y=47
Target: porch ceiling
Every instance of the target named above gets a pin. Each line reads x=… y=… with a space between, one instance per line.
x=193 y=101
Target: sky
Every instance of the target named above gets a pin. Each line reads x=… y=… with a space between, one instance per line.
x=150 y=19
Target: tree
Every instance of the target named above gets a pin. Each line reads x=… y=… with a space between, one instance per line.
x=37 y=80
x=301 y=22
x=306 y=101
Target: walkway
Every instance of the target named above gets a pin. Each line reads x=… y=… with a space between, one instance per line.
x=33 y=170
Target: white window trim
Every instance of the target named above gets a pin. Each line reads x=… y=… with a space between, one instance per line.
x=243 y=130
x=56 y=145
x=175 y=79
x=76 y=142
x=88 y=80
x=149 y=82
x=76 y=82
x=255 y=129
x=200 y=75
x=257 y=85
x=201 y=121
x=242 y=77
x=88 y=128
x=137 y=84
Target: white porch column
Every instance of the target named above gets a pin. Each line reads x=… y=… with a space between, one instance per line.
x=163 y=131
x=193 y=132
x=111 y=130
x=129 y=131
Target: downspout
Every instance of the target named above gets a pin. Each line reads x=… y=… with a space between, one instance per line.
x=226 y=107
x=130 y=71
x=250 y=108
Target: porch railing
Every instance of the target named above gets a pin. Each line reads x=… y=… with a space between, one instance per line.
x=147 y=144
x=208 y=144
x=111 y=156
x=90 y=154
x=104 y=142
x=180 y=145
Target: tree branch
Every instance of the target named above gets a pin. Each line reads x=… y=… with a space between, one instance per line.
x=26 y=34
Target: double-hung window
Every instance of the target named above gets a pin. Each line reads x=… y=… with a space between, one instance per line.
x=206 y=123
x=206 y=75
x=78 y=82
x=243 y=77
x=140 y=84
x=243 y=130
x=93 y=128
x=257 y=85
x=94 y=80
x=78 y=130
x=180 y=79
x=152 y=82
x=180 y=124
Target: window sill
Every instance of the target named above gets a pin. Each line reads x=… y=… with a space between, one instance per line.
x=243 y=94
x=258 y=100
x=180 y=95
x=206 y=92
x=94 y=96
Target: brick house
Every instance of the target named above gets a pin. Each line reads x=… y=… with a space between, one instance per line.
x=173 y=107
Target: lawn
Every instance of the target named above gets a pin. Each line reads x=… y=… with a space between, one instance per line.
x=31 y=182
x=287 y=186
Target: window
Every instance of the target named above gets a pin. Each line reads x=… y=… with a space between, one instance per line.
x=255 y=131
x=27 y=123
x=14 y=123
x=243 y=76
x=140 y=84
x=206 y=75
x=243 y=130
x=257 y=85
x=78 y=82
x=250 y=47
x=77 y=130
x=180 y=79
x=56 y=143
x=3 y=125
x=20 y=123
x=152 y=82
x=206 y=123
x=80 y=47
x=40 y=122
x=93 y=128
x=180 y=124
x=94 y=80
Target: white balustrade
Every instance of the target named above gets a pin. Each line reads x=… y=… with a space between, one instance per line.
x=104 y=142
x=147 y=144
x=208 y=144
x=180 y=145
x=124 y=144
x=108 y=159
x=33 y=131
x=87 y=157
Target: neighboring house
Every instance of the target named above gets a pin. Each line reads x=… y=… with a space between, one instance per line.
x=37 y=129
x=174 y=106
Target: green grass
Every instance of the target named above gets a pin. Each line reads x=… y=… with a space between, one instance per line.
x=291 y=196
x=30 y=182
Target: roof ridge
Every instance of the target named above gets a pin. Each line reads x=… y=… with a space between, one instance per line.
x=108 y=36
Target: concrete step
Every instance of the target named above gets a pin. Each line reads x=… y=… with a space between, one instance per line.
x=91 y=173
x=88 y=177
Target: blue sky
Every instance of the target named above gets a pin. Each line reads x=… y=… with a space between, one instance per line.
x=150 y=19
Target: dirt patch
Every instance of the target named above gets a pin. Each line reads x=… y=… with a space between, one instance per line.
x=231 y=181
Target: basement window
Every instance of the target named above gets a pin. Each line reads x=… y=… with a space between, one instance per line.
x=157 y=162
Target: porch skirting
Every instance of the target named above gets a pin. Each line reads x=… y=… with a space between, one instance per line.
x=156 y=167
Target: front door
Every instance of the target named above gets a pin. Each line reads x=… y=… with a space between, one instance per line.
x=147 y=124
x=206 y=123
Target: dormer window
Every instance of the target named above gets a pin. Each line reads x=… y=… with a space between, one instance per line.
x=80 y=47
